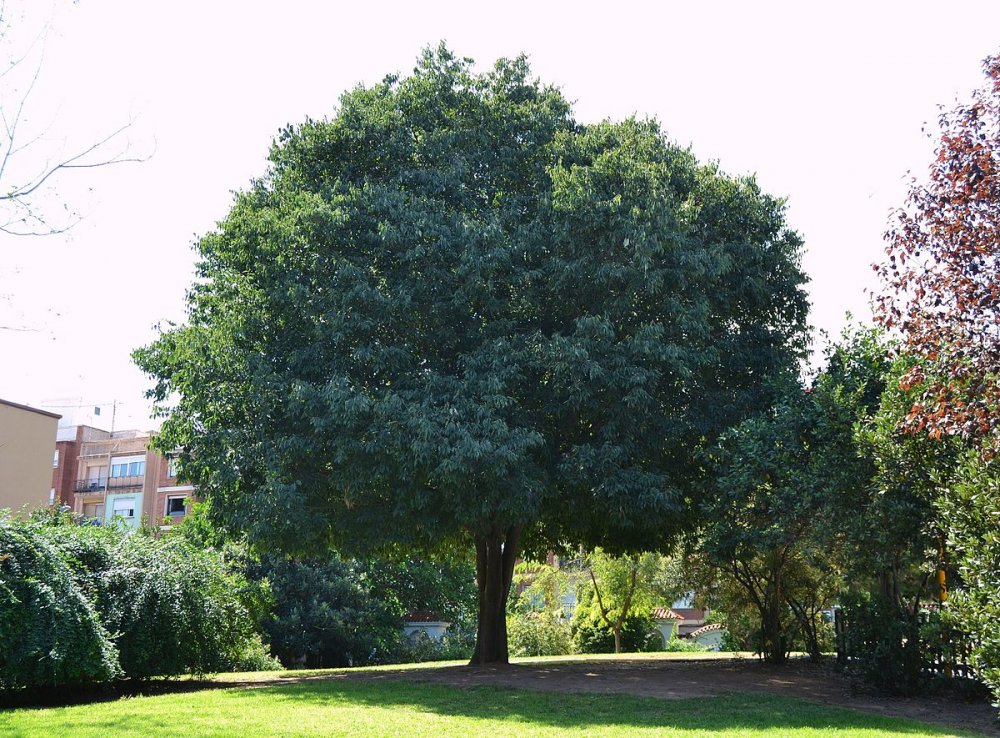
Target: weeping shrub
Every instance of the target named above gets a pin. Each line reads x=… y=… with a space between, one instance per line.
x=50 y=631
x=174 y=607
x=162 y=606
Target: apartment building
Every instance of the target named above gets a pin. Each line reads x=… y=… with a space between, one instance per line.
x=26 y=436
x=103 y=475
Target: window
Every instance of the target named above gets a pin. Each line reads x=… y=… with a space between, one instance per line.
x=175 y=507
x=172 y=464
x=55 y=459
x=125 y=507
x=131 y=466
x=93 y=510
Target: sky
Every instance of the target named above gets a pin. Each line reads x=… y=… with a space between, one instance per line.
x=830 y=105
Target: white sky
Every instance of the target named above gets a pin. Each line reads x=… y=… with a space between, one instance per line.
x=825 y=102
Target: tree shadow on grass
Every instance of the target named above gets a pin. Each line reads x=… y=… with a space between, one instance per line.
x=733 y=712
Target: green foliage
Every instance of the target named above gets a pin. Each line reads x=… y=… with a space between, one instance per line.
x=176 y=608
x=445 y=585
x=537 y=624
x=971 y=510
x=323 y=615
x=884 y=644
x=451 y=314
x=783 y=524
x=455 y=645
x=592 y=635
x=50 y=632
x=774 y=475
x=256 y=657
x=682 y=645
x=87 y=603
x=619 y=590
x=894 y=538
x=542 y=587
x=544 y=633
x=173 y=608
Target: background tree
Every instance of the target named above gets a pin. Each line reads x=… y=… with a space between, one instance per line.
x=451 y=314
x=941 y=290
x=621 y=586
x=941 y=286
x=760 y=516
x=782 y=521
x=537 y=620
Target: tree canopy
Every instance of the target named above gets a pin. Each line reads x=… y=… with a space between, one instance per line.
x=451 y=313
x=941 y=287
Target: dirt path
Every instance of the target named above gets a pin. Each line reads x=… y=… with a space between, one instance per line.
x=649 y=677
x=686 y=679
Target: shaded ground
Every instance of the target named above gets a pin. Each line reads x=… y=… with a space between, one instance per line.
x=685 y=679
x=662 y=678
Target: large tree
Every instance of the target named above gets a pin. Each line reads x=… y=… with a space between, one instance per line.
x=453 y=314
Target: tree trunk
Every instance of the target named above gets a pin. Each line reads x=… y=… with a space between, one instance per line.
x=618 y=639
x=771 y=627
x=495 y=557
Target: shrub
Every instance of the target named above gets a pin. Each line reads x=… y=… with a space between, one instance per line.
x=454 y=646
x=177 y=609
x=50 y=632
x=322 y=614
x=590 y=635
x=884 y=644
x=543 y=633
x=172 y=608
x=682 y=645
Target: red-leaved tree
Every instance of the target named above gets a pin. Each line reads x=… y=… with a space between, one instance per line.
x=942 y=291
x=941 y=278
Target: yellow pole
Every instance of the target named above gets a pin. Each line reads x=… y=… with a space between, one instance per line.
x=942 y=579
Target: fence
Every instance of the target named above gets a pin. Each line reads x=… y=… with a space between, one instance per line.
x=948 y=652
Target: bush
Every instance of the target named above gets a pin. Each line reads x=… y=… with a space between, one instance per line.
x=86 y=604
x=323 y=616
x=454 y=646
x=50 y=632
x=971 y=510
x=544 y=633
x=682 y=645
x=591 y=635
x=884 y=644
x=256 y=657
x=177 y=608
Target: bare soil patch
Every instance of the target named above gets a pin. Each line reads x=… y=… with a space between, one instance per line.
x=676 y=679
x=641 y=676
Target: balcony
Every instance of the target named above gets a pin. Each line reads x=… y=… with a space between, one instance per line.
x=109 y=484
x=91 y=485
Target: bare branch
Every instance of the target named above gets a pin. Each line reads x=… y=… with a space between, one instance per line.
x=23 y=151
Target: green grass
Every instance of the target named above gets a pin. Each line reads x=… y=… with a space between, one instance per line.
x=384 y=707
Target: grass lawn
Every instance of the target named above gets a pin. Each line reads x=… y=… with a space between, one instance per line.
x=380 y=707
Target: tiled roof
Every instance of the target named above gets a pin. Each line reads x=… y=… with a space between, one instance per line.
x=705 y=629
x=665 y=613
